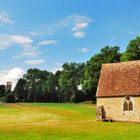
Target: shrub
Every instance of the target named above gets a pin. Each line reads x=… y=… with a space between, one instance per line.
x=3 y=99
x=10 y=98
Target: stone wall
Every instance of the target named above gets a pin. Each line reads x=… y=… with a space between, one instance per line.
x=113 y=107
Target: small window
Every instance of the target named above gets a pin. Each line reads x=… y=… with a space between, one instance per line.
x=130 y=105
x=127 y=104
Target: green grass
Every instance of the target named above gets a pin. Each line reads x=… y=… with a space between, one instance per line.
x=41 y=121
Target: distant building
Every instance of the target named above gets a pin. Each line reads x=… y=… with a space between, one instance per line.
x=9 y=86
x=118 y=93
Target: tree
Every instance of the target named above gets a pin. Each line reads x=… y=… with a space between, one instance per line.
x=68 y=81
x=20 y=90
x=2 y=90
x=36 y=87
x=33 y=77
x=132 y=51
x=51 y=86
x=108 y=54
x=63 y=86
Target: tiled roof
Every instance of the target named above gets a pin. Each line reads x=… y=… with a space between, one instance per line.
x=119 y=79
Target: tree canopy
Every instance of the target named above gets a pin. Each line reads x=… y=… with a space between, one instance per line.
x=76 y=82
x=132 y=51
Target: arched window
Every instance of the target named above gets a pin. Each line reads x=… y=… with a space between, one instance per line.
x=127 y=104
x=130 y=105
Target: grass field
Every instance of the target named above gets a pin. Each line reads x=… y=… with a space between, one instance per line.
x=41 y=121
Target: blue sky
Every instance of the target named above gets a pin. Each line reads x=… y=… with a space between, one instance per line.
x=46 y=33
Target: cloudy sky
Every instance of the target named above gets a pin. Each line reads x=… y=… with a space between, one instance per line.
x=46 y=33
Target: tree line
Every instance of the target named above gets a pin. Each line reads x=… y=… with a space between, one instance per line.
x=76 y=82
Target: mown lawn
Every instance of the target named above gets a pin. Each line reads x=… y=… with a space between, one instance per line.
x=41 y=121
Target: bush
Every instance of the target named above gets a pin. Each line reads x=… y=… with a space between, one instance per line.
x=10 y=98
x=3 y=99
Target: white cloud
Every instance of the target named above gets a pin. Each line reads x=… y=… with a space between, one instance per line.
x=21 y=40
x=79 y=34
x=7 y=40
x=30 y=52
x=80 y=25
x=27 y=52
x=77 y=22
x=11 y=75
x=4 y=18
x=47 y=42
x=83 y=50
x=35 y=61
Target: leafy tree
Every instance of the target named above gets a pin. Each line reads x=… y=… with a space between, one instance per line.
x=63 y=86
x=51 y=86
x=68 y=81
x=132 y=51
x=20 y=90
x=2 y=90
x=33 y=78
x=108 y=54
x=59 y=95
x=37 y=85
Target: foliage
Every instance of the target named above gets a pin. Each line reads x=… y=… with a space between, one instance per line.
x=2 y=90
x=51 y=87
x=10 y=98
x=20 y=90
x=93 y=66
x=132 y=51
x=76 y=82
x=3 y=99
x=69 y=80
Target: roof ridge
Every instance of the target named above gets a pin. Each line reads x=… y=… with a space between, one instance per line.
x=121 y=62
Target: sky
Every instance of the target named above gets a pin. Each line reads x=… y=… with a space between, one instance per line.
x=45 y=34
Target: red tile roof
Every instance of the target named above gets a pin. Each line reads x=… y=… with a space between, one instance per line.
x=119 y=79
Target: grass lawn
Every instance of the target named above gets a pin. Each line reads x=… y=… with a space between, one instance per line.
x=41 y=121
